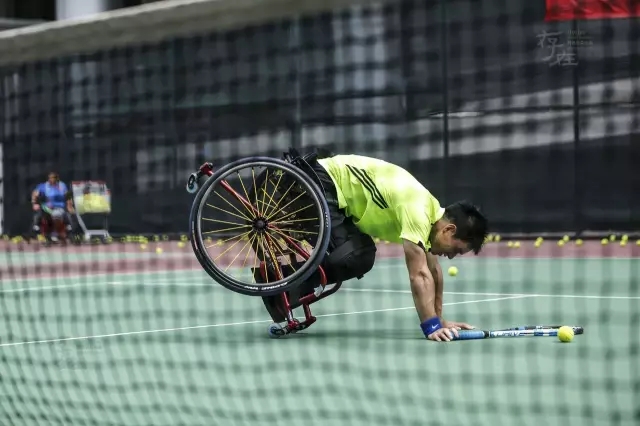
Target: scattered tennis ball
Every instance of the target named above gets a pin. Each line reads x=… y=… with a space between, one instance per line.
x=565 y=334
x=453 y=271
x=578 y=242
x=612 y=237
x=510 y=244
x=165 y=238
x=638 y=243
x=516 y=244
x=496 y=238
x=565 y=238
x=181 y=244
x=183 y=238
x=143 y=246
x=159 y=250
x=625 y=237
x=561 y=243
x=604 y=241
x=623 y=243
x=377 y=240
x=537 y=243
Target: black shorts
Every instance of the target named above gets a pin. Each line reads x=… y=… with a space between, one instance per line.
x=352 y=253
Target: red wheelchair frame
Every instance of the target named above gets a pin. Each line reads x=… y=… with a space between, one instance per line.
x=48 y=225
x=293 y=325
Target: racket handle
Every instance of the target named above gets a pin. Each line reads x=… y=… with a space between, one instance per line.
x=471 y=335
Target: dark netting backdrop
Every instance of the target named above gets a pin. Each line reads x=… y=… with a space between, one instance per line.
x=513 y=104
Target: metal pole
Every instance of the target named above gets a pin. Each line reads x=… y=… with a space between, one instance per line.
x=577 y=189
x=445 y=96
x=295 y=49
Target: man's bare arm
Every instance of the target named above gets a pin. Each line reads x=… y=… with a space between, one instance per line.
x=436 y=272
x=422 y=282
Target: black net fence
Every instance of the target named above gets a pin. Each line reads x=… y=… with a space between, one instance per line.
x=535 y=119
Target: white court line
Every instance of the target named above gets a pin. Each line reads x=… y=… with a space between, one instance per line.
x=473 y=293
x=164 y=281
x=231 y=324
x=386 y=262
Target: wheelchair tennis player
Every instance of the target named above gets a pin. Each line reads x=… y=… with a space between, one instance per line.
x=370 y=198
x=52 y=197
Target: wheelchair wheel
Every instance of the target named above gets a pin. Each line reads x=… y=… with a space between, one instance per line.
x=257 y=214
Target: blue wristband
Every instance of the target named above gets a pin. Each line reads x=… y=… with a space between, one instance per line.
x=431 y=325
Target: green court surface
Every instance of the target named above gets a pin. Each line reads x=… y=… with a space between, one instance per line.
x=170 y=348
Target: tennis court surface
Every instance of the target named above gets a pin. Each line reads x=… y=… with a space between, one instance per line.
x=513 y=105
x=144 y=338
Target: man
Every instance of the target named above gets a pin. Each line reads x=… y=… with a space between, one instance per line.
x=52 y=194
x=370 y=198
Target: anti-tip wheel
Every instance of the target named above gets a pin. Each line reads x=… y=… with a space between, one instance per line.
x=276 y=331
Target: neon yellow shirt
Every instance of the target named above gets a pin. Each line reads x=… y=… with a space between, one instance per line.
x=384 y=200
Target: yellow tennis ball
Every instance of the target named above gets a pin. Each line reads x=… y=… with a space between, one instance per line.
x=497 y=238
x=143 y=246
x=578 y=242
x=623 y=243
x=181 y=244
x=510 y=244
x=638 y=243
x=159 y=250
x=625 y=237
x=604 y=241
x=565 y=334
x=537 y=243
x=612 y=237
x=453 y=271
x=561 y=243
x=566 y=238
x=516 y=244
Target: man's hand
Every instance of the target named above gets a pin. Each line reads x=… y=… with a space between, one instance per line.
x=444 y=334
x=457 y=325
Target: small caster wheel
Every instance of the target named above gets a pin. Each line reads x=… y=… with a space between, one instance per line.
x=276 y=331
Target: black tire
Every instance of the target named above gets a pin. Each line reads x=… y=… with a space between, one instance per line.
x=277 y=287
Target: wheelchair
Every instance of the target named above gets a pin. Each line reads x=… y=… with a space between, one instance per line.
x=52 y=226
x=266 y=218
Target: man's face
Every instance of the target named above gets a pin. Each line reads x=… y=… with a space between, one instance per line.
x=446 y=244
x=53 y=178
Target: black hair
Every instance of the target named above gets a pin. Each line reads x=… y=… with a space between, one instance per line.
x=472 y=226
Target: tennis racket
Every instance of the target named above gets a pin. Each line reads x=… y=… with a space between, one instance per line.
x=576 y=330
x=523 y=331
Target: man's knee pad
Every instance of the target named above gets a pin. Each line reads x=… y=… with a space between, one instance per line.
x=352 y=259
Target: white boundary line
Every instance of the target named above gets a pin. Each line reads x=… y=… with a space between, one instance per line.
x=169 y=282
x=232 y=324
x=387 y=262
x=473 y=293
